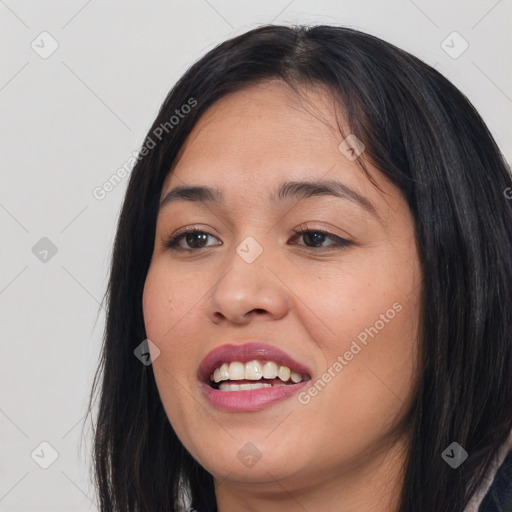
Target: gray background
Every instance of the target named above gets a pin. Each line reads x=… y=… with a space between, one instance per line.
x=69 y=120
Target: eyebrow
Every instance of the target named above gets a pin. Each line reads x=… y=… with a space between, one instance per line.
x=296 y=190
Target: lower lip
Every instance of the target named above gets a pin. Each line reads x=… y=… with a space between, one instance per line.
x=250 y=400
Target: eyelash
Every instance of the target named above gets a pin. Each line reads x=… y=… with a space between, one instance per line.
x=340 y=243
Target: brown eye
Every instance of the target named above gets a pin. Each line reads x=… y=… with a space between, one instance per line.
x=195 y=238
x=315 y=238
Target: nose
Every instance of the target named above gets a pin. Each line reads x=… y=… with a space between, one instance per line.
x=247 y=291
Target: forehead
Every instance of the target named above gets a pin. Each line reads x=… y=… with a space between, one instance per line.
x=254 y=139
x=261 y=124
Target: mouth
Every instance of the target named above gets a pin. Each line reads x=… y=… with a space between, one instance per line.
x=256 y=374
x=249 y=377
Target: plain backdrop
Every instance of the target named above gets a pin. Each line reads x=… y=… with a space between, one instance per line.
x=80 y=84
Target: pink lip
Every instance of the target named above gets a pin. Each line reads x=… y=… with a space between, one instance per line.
x=251 y=400
x=254 y=399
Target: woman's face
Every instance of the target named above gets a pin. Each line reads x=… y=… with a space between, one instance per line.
x=341 y=308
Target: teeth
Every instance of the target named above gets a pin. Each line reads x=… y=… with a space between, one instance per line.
x=284 y=373
x=236 y=371
x=221 y=373
x=256 y=385
x=255 y=370
x=270 y=370
x=226 y=386
x=296 y=377
x=224 y=372
x=229 y=387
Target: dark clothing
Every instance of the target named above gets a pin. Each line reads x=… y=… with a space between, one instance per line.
x=499 y=495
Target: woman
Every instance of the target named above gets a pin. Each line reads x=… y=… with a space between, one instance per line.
x=314 y=253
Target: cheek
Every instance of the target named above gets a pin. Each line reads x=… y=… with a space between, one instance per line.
x=362 y=300
x=370 y=319
x=162 y=310
x=163 y=306
x=154 y=306
x=165 y=302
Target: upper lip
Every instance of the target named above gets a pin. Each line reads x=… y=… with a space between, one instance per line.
x=244 y=353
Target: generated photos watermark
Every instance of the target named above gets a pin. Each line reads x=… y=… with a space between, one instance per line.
x=362 y=338
x=101 y=191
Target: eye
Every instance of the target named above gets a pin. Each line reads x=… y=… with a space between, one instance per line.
x=317 y=237
x=195 y=238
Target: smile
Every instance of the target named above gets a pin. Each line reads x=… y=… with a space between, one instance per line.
x=253 y=375
x=250 y=377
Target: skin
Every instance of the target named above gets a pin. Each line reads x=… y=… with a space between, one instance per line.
x=345 y=449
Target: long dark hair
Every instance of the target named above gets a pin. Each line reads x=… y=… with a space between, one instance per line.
x=426 y=137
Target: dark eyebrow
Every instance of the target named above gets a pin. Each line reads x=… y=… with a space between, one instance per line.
x=195 y=193
x=295 y=190
x=304 y=189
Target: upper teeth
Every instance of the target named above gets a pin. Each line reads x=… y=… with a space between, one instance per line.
x=254 y=370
